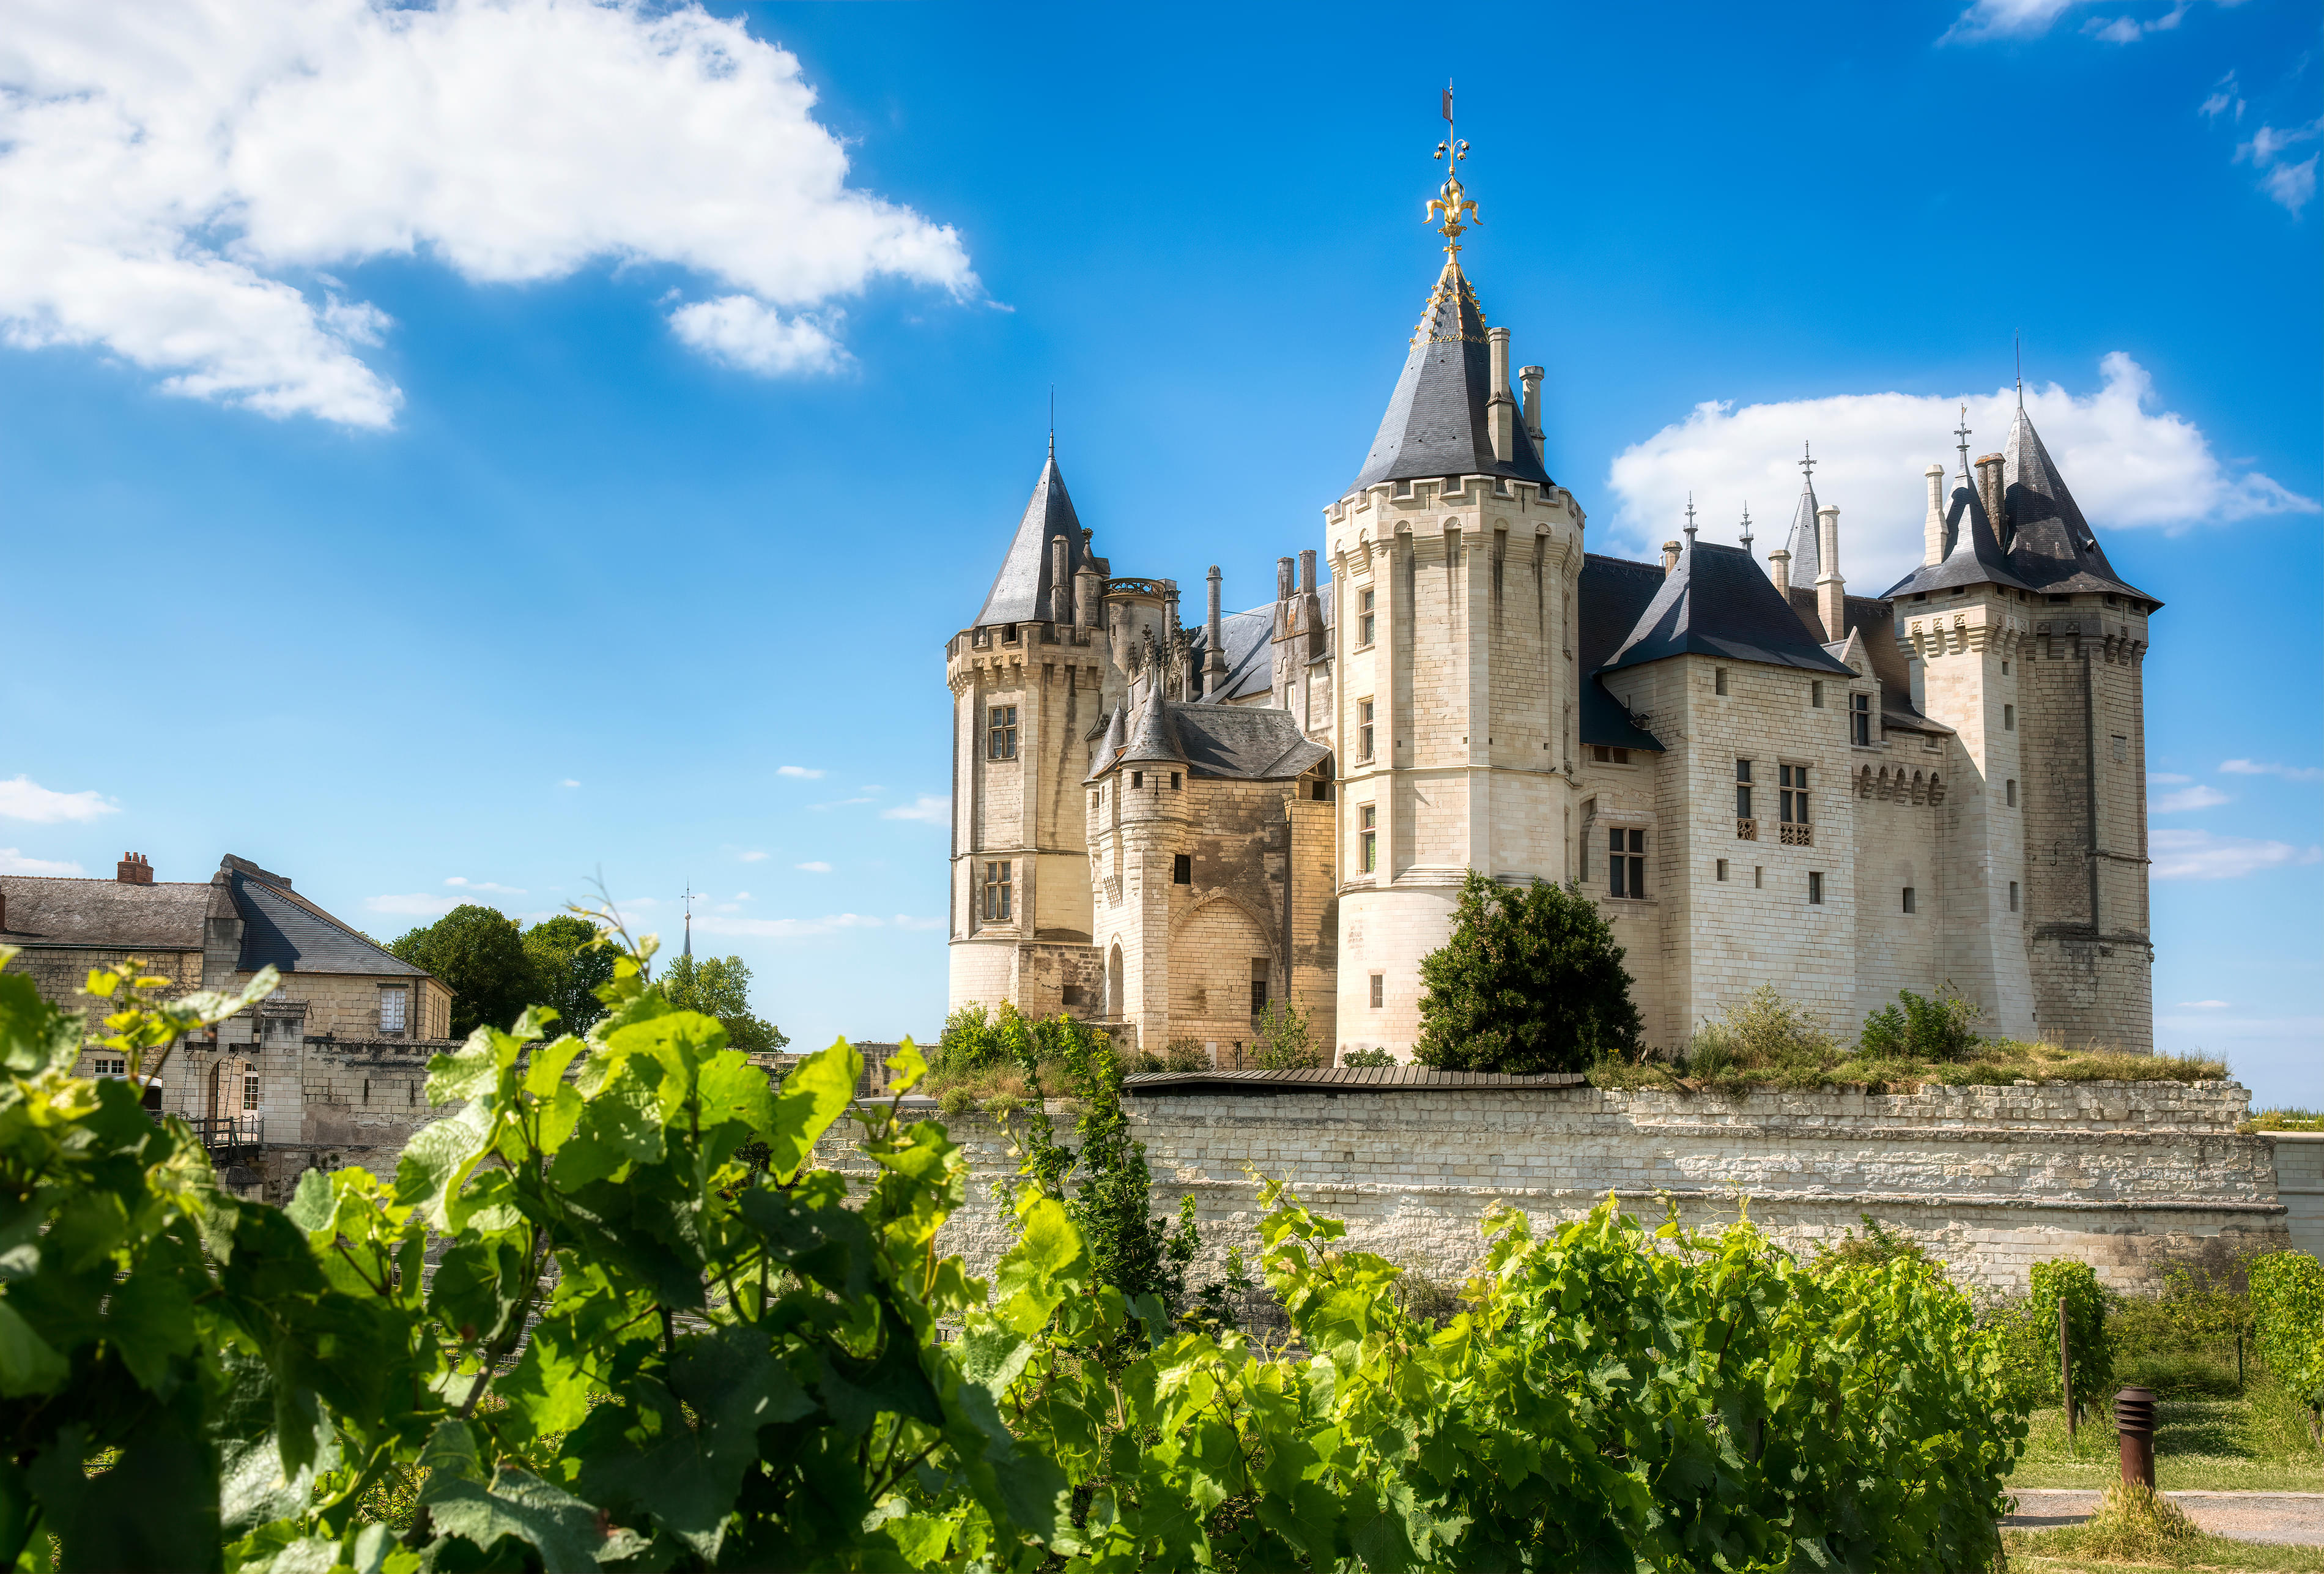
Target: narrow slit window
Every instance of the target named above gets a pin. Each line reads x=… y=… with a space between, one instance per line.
x=1815 y=889
x=1723 y=869
x=2010 y=789
x=2009 y=718
x=1380 y=990
x=1719 y=679
x=1908 y=899
x=1815 y=693
x=2012 y=897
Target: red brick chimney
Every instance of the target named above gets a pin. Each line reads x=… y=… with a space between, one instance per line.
x=133 y=870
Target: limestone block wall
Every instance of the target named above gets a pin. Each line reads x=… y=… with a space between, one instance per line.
x=2130 y=1176
x=2299 y=1182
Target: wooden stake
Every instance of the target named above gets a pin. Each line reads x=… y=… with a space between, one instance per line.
x=2066 y=1371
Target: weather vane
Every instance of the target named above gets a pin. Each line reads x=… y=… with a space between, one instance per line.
x=1453 y=203
x=1961 y=432
x=1690 y=519
x=1807 y=462
x=1747 y=527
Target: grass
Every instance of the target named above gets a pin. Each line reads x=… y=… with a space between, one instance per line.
x=2289 y=1118
x=2257 y=1443
x=2134 y=1528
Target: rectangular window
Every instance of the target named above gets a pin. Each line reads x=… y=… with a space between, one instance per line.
x=2010 y=787
x=2012 y=897
x=1723 y=869
x=1138 y=780
x=1181 y=869
x=1257 y=989
x=1625 y=863
x=391 y=1010
x=1174 y=782
x=1001 y=732
x=1908 y=899
x=1742 y=789
x=108 y=1065
x=1368 y=838
x=1792 y=793
x=2121 y=749
x=1859 y=720
x=2009 y=718
x=1815 y=693
x=1719 y=679
x=1605 y=757
x=1815 y=888
x=2005 y=667
x=1380 y=990
x=1364 y=623
x=1364 y=730
x=250 y=1094
x=1758 y=877
x=999 y=893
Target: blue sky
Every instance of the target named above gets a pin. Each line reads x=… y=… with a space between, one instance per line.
x=453 y=453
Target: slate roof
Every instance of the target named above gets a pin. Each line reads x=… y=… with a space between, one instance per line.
x=1246 y=743
x=2052 y=546
x=1151 y=736
x=1717 y=603
x=1247 y=641
x=1614 y=592
x=1020 y=591
x=55 y=911
x=1435 y=421
x=1117 y=739
x=1807 y=559
x=287 y=932
x=1973 y=554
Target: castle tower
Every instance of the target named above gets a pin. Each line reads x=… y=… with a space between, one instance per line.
x=1031 y=680
x=1454 y=560
x=2084 y=718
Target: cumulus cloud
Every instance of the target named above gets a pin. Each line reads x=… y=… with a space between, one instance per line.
x=2270 y=768
x=2188 y=798
x=785 y=928
x=751 y=856
x=2204 y=1005
x=815 y=866
x=25 y=799
x=904 y=921
x=177 y=185
x=2198 y=855
x=12 y=862
x=2166 y=779
x=924 y=809
x=467 y=885
x=1986 y=20
x=803 y=772
x=568 y=782
x=2129 y=466
x=412 y=904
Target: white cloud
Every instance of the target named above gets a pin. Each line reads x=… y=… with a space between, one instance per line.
x=2198 y=855
x=817 y=867
x=2293 y=185
x=742 y=896
x=1986 y=20
x=176 y=182
x=568 y=782
x=2188 y=798
x=2166 y=779
x=803 y=772
x=2204 y=1005
x=752 y=856
x=2128 y=466
x=839 y=803
x=904 y=921
x=2226 y=98
x=2270 y=768
x=12 y=862
x=924 y=809
x=784 y=928
x=25 y=799
x=467 y=885
x=412 y=904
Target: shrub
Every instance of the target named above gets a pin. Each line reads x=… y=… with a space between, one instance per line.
x=1373 y=1058
x=1761 y=1032
x=1921 y=1029
x=1880 y=1245
x=1185 y=1054
x=1530 y=981
x=2287 y=1292
x=2177 y=1376
x=2092 y=1345
x=1285 y=1040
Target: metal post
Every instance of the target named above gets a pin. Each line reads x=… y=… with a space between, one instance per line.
x=2066 y=1371
x=2239 y=1360
x=2134 y=1420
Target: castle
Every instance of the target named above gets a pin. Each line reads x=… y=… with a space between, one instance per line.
x=1760 y=778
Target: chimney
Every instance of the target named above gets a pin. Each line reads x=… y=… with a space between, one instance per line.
x=133 y=870
x=1088 y=585
x=1831 y=591
x=1669 y=558
x=1307 y=573
x=1932 y=528
x=1530 y=378
x=1988 y=490
x=1780 y=560
x=1061 y=590
x=1283 y=578
x=1215 y=655
x=1500 y=409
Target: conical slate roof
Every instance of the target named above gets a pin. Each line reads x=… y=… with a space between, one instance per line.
x=1152 y=738
x=1976 y=556
x=1807 y=562
x=1020 y=591
x=1117 y=737
x=1717 y=603
x=2050 y=545
x=1435 y=422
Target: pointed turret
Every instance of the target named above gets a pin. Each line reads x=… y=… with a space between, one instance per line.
x=1109 y=748
x=1021 y=590
x=1802 y=543
x=2050 y=546
x=1439 y=419
x=1152 y=739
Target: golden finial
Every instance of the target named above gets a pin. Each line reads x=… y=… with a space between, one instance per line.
x=1451 y=204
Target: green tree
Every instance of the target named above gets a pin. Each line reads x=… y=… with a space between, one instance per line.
x=1287 y=1041
x=568 y=967
x=1530 y=981
x=477 y=953
x=720 y=987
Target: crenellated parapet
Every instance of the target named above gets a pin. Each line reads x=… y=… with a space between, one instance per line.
x=1978 y=628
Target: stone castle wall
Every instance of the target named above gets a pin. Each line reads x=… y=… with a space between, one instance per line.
x=2130 y=1176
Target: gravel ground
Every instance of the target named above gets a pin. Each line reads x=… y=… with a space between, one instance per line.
x=2294 y=1519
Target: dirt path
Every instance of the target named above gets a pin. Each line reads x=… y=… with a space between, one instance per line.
x=2294 y=1519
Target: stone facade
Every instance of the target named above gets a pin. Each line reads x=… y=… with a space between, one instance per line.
x=2130 y=1176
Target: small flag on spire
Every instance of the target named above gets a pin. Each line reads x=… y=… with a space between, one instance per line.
x=1448 y=104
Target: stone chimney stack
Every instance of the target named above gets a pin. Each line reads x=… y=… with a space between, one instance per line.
x=1669 y=558
x=1780 y=562
x=1530 y=378
x=1831 y=591
x=1500 y=406
x=1307 y=573
x=1061 y=590
x=133 y=870
x=1988 y=492
x=1215 y=655
x=1284 y=578
x=1932 y=528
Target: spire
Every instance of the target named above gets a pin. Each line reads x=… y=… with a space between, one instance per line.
x=1690 y=522
x=2053 y=547
x=1021 y=590
x=1438 y=420
x=1806 y=562
x=1109 y=748
x=1151 y=736
x=1747 y=525
x=689 y=919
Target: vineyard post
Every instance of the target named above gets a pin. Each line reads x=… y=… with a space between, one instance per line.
x=2066 y=1372
x=2239 y=1360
